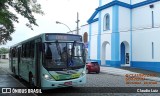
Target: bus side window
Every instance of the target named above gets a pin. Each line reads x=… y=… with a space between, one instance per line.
x=32 y=49
x=27 y=50
x=24 y=50
x=13 y=52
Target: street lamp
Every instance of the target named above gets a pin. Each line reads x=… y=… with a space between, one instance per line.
x=57 y=22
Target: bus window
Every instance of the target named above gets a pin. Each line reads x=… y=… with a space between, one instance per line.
x=24 y=50
x=14 y=52
x=32 y=49
x=53 y=56
x=63 y=55
x=27 y=49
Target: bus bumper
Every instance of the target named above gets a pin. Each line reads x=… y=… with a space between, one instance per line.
x=51 y=84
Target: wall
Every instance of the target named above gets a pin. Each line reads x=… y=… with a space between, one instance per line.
x=93 y=45
x=142 y=17
x=136 y=1
x=106 y=38
x=125 y=1
x=143 y=33
x=124 y=19
x=103 y=13
x=142 y=45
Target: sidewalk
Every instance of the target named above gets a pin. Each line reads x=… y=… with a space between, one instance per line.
x=127 y=70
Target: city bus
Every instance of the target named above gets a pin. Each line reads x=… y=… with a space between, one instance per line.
x=50 y=60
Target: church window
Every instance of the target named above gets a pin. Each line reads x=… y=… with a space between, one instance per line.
x=106 y=22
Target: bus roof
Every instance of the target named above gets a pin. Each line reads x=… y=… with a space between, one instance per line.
x=40 y=35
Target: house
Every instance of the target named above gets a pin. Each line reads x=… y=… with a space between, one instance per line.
x=4 y=56
x=125 y=33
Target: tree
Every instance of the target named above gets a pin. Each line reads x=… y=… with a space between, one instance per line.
x=25 y=8
x=4 y=50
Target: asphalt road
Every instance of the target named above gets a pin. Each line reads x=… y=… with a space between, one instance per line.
x=97 y=85
x=7 y=80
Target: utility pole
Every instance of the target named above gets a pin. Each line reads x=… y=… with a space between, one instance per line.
x=77 y=23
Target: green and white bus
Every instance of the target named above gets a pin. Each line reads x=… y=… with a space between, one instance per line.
x=50 y=60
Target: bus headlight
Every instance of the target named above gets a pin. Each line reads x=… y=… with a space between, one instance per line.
x=47 y=76
x=84 y=72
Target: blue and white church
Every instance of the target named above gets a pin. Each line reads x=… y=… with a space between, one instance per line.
x=125 y=33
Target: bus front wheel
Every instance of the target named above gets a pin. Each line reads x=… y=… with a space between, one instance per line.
x=31 y=82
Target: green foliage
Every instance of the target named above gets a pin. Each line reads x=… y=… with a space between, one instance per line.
x=23 y=7
x=4 y=50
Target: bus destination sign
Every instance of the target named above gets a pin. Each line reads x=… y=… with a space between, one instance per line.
x=52 y=37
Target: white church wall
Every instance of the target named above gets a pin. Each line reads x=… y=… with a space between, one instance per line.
x=106 y=38
x=142 y=45
x=94 y=28
x=124 y=19
x=142 y=17
x=136 y=1
x=93 y=47
x=156 y=14
x=125 y=1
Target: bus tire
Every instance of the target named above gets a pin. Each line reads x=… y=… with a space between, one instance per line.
x=31 y=82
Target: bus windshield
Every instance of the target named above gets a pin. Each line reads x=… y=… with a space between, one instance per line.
x=60 y=55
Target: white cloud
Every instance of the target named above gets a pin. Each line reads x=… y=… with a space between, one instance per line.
x=55 y=10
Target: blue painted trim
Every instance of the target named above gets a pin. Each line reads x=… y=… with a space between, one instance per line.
x=144 y=3
x=89 y=45
x=99 y=37
x=90 y=20
x=94 y=20
x=115 y=34
x=131 y=35
x=113 y=63
x=122 y=53
x=152 y=66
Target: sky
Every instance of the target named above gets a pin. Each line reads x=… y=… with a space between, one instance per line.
x=64 y=11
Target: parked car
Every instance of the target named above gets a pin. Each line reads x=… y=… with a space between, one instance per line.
x=92 y=67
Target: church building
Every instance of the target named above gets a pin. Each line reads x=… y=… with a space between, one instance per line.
x=125 y=33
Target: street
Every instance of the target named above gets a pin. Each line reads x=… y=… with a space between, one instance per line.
x=97 y=85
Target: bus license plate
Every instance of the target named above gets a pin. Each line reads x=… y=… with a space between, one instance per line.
x=68 y=83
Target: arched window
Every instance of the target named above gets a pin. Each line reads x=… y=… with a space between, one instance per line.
x=106 y=23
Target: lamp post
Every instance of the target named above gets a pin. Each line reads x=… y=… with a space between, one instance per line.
x=57 y=22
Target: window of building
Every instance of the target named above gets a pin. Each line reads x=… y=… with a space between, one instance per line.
x=152 y=50
x=152 y=19
x=106 y=23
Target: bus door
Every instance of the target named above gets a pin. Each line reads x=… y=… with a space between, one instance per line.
x=19 y=59
x=11 y=59
x=37 y=67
